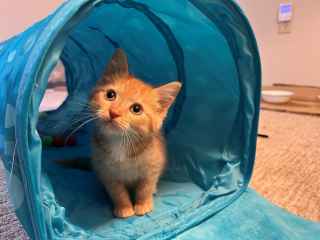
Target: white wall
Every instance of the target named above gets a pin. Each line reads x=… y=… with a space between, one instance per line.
x=15 y=16
x=287 y=58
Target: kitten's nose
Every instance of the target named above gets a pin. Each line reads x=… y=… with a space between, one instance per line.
x=113 y=114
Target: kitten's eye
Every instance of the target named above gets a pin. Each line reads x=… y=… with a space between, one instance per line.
x=136 y=108
x=111 y=95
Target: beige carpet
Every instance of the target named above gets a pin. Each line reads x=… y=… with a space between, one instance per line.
x=287 y=169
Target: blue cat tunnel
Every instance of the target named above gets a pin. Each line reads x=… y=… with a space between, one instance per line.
x=211 y=130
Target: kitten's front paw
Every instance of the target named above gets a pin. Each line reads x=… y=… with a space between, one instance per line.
x=142 y=208
x=123 y=212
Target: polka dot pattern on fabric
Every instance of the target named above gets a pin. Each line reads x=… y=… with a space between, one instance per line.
x=9 y=148
x=10 y=118
x=11 y=56
x=29 y=43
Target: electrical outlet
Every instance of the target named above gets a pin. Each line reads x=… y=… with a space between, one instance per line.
x=284 y=27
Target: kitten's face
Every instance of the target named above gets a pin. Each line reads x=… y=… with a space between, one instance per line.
x=124 y=103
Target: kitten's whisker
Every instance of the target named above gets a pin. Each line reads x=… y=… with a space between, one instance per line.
x=83 y=118
x=136 y=136
x=81 y=125
x=128 y=141
x=87 y=111
x=122 y=126
x=76 y=123
x=132 y=147
x=79 y=104
x=85 y=115
x=129 y=147
x=85 y=106
x=72 y=123
x=122 y=144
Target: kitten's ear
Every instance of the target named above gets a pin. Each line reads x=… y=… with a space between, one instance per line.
x=167 y=94
x=118 y=64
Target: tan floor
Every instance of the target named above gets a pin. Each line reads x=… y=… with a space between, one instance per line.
x=287 y=170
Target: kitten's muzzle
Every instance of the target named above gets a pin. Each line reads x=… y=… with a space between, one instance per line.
x=113 y=114
x=111 y=123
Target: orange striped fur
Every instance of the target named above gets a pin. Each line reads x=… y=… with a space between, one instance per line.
x=128 y=149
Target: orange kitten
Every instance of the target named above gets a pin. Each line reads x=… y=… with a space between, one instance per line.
x=128 y=149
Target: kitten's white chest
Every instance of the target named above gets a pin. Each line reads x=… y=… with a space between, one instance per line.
x=118 y=154
x=122 y=167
